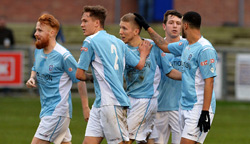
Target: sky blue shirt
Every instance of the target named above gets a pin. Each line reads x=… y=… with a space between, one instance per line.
x=54 y=73
x=199 y=61
x=169 y=89
x=107 y=56
x=144 y=83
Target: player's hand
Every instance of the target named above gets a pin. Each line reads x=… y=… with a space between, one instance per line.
x=141 y=21
x=204 y=121
x=86 y=113
x=31 y=83
x=145 y=48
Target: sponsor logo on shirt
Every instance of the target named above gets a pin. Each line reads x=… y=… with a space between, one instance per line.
x=204 y=63
x=84 y=49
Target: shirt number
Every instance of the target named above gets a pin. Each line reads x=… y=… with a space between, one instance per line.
x=113 y=50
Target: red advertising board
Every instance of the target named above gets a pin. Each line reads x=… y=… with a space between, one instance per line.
x=11 y=69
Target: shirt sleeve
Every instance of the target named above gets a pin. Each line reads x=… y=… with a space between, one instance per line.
x=176 y=48
x=131 y=58
x=86 y=55
x=33 y=67
x=163 y=62
x=207 y=62
x=70 y=66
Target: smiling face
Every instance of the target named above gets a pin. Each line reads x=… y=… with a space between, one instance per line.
x=42 y=35
x=173 y=26
x=88 y=24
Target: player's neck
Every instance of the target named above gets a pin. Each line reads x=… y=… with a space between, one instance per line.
x=171 y=40
x=193 y=36
x=135 y=42
x=50 y=47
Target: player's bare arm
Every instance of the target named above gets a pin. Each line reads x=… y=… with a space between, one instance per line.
x=208 y=91
x=82 y=90
x=144 y=49
x=174 y=74
x=81 y=75
x=32 y=80
x=159 y=41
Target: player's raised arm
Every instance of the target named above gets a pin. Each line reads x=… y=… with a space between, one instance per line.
x=174 y=74
x=159 y=41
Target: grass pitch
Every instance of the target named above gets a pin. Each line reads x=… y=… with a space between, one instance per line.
x=19 y=118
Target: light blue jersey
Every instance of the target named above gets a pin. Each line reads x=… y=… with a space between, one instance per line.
x=169 y=89
x=144 y=83
x=107 y=56
x=55 y=72
x=199 y=60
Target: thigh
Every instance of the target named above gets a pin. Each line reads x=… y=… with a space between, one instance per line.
x=94 y=128
x=163 y=128
x=191 y=131
x=114 y=123
x=141 y=118
x=175 y=126
x=53 y=128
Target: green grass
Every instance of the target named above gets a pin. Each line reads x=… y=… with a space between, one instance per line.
x=19 y=120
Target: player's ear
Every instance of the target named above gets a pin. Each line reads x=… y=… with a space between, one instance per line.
x=164 y=26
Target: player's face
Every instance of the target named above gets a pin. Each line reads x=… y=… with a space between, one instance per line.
x=173 y=26
x=88 y=24
x=42 y=35
x=126 y=32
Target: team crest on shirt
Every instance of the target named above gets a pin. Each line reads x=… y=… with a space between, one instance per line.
x=163 y=54
x=180 y=43
x=84 y=49
x=190 y=56
x=50 y=67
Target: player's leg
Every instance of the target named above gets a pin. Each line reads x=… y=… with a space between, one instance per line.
x=141 y=118
x=175 y=126
x=94 y=131
x=163 y=128
x=39 y=141
x=51 y=129
x=191 y=134
x=114 y=123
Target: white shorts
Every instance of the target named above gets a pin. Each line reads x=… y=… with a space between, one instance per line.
x=109 y=122
x=54 y=129
x=189 y=120
x=166 y=122
x=141 y=118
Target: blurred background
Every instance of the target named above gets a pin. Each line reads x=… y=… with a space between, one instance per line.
x=225 y=23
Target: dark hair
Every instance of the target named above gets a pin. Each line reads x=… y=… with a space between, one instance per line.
x=171 y=12
x=193 y=18
x=49 y=20
x=98 y=12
